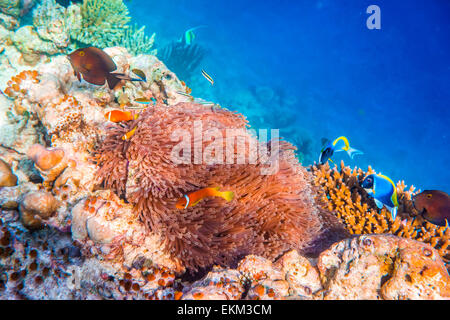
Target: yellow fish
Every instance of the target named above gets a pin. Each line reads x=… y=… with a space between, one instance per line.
x=129 y=134
x=192 y=198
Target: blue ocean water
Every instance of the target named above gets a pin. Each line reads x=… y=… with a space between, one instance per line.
x=314 y=70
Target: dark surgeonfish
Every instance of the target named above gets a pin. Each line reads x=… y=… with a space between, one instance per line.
x=434 y=206
x=96 y=67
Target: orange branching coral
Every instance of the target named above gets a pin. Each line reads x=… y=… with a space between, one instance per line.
x=269 y=215
x=19 y=84
x=343 y=195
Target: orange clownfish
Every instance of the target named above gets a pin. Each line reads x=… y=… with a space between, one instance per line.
x=129 y=134
x=192 y=198
x=118 y=115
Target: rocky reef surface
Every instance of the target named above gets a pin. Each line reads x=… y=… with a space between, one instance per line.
x=64 y=235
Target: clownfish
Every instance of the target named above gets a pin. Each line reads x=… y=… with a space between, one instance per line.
x=192 y=198
x=434 y=206
x=129 y=134
x=340 y=144
x=119 y=115
x=383 y=191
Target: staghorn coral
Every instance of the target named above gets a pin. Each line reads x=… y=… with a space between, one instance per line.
x=267 y=217
x=343 y=195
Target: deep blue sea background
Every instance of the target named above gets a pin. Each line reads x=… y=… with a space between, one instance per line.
x=314 y=70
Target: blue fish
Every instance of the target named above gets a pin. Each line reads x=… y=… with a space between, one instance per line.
x=383 y=191
x=340 y=144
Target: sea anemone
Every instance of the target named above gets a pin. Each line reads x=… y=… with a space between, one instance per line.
x=270 y=214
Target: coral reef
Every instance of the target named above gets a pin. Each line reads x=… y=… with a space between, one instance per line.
x=50 y=22
x=375 y=267
x=50 y=163
x=102 y=22
x=36 y=207
x=64 y=235
x=383 y=267
x=136 y=41
x=16 y=8
x=343 y=195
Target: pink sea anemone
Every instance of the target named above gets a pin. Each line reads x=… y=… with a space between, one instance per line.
x=270 y=214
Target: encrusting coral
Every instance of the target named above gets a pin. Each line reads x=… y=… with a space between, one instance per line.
x=49 y=162
x=7 y=178
x=36 y=207
x=269 y=215
x=343 y=195
x=50 y=21
x=136 y=41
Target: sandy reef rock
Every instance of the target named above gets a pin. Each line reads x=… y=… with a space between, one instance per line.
x=374 y=267
x=383 y=267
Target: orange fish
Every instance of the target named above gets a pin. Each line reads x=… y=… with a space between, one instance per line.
x=118 y=115
x=96 y=67
x=192 y=198
x=129 y=134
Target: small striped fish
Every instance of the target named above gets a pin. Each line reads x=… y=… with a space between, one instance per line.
x=208 y=77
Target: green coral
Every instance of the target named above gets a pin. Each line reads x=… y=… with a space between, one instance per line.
x=102 y=22
x=136 y=41
x=10 y=7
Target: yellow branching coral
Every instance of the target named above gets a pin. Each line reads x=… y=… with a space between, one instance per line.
x=343 y=195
